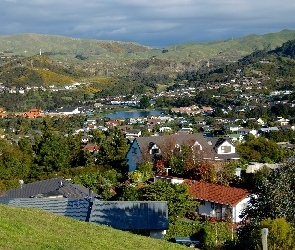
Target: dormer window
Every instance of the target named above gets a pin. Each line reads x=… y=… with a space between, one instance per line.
x=155 y=151
x=225 y=149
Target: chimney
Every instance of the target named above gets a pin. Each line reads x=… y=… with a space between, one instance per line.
x=167 y=171
x=90 y=194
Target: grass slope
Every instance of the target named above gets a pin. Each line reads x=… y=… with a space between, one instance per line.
x=23 y=228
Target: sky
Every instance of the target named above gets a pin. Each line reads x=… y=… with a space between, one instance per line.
x=155 y=23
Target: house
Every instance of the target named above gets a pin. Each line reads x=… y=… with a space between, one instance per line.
x=84 y=139
x=51 y=188
x=33 y=113
x=282 y=121
x=232 y=127
x=165 y=129
x=112 y=123
x=184 y=131
x=255 y=166
x=3 y=113
x=246 y=131
x=261 y=122
x=235 y=137
x=92 y=148
x=131 y=133
x=210 y=149
x=262 y=131
x=216 y=201
x=68 y=111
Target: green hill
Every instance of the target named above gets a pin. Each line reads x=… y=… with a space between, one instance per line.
x=67 y=48
x=22 y=228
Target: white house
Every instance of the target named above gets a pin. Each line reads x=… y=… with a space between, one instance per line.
x=216 y=201
x=68 y=111
x=247 y=131
x=131 y=133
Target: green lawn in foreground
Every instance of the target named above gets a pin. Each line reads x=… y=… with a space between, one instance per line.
x=24 y=228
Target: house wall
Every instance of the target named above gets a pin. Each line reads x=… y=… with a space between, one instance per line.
x=134 y=157
x=168 y=179
x=237 y=210
x=220 y=211
x=206 y=209
x=226 y=144
x=212 y=209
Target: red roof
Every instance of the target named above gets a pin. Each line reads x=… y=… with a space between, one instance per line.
x=216 y=193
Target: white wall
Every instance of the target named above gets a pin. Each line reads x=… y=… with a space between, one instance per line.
x=226 y=143
x=237 y=210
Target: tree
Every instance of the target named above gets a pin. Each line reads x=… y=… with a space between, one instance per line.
x=274 y=197
x=177 y=196
x=143 y=172
x=280 y=234
x=100 y=182
x=51 y=150
x=144 y=102
x=113 y=149
x=259 y=150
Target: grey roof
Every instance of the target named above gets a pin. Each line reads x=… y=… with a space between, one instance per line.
x=55 y=187
x=74 y=208
x=127 y=215
x=124 y=215
x=208 y=144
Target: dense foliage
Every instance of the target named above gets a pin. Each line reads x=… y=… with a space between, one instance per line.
x=273 y=198
x=177 y=196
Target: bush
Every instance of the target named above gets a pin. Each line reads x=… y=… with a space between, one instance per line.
x=211 y=235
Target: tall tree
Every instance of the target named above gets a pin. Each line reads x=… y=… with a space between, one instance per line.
x=52 y=151
x=144 y=102
x=113 y=149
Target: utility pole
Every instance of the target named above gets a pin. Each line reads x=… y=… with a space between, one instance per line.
x=264 y=233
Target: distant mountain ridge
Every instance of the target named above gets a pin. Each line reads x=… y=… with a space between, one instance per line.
x=74 y=49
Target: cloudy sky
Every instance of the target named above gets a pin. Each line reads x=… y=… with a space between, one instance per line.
x=156 y=23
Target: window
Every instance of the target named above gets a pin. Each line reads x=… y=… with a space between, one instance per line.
x=155 y=151
x=212 y=205
x=202 y=202
x=225 y=149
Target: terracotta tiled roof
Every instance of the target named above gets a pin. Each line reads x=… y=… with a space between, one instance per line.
x=216 y=193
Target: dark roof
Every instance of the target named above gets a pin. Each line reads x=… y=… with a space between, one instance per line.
x=208 y=144
x=56 y=187
x=128 y=215
x=124 y=215
x=74 y=208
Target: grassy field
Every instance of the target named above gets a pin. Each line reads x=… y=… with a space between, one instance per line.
x=22 y=228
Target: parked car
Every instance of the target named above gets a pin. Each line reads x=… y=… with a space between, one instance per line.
x=187 y=241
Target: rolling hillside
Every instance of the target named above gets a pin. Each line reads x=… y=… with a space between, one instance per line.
x=22 y=228
x=67 y=48
x=132 y=66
